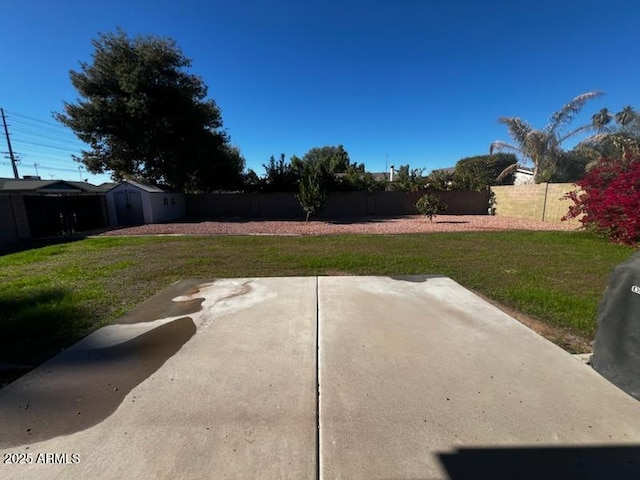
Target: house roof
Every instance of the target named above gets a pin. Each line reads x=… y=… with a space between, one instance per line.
x=107 y=186
x=380 y=175
x=450 y=170
x=141 y=186
x=16 y=185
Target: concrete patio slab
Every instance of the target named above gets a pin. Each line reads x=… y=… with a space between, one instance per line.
x=421 y=379
x=224 y=388
x=418 y=378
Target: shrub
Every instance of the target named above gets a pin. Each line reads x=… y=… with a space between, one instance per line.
x=312 y=193
x=610 y=199
x=430 y=205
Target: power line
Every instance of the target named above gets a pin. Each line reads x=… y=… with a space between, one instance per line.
x=44 y=145
x=14 y=114
x=49 y=146
x=46 y=136
x=58 y=137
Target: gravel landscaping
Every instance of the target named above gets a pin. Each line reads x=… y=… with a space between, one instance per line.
x=395 y=225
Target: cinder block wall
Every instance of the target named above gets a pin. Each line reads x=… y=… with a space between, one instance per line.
x=542 y=202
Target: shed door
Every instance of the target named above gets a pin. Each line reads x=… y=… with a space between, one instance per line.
x=129 y=208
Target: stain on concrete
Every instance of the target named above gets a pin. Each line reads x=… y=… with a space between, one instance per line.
x=242 y=289
x=81 y=388
x=164 y=305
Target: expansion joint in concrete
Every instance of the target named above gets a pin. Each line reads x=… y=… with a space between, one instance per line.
x=318 y=473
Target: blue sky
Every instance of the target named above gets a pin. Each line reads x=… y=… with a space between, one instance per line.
x=396 y=82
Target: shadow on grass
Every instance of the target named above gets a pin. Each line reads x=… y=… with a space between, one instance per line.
x=31 y=244
x=35 y=326
x=547 y=462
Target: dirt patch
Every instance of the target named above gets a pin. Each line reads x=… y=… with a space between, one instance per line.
x=365 y=225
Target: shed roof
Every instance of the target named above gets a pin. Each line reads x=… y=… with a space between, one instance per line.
x=141 y=186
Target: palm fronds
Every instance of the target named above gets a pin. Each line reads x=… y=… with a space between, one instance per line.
x=507 y=171
x=518 y=129
x=583 y=128
x=499 y=145
x=568 y=112
x=626 y=116
x=601 y=119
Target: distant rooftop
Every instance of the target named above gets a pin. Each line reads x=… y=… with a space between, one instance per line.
x=13 y=185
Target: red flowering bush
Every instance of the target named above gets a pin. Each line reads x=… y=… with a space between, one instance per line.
x=610 y=199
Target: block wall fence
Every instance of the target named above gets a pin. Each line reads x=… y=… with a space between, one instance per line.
x=338 y=204
x=542 y=202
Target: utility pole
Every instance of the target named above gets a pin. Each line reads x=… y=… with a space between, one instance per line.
x=13 y=159
x=36 y=165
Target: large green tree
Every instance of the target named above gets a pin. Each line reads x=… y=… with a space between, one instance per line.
x=543 y=147
x=143 y=114
x=476 y=173
x=328 y=160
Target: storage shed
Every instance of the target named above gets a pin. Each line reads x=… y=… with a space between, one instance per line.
x=135 y=203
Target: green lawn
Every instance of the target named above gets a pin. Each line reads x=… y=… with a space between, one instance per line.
x=52 y=296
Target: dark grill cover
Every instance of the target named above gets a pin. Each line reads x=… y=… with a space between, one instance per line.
x=616 y=353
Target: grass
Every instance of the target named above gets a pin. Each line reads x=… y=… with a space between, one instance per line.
x=52 y=296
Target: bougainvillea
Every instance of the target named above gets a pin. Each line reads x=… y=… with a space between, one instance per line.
x=609 y=199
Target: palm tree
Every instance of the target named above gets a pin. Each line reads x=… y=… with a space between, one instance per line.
x=542 y=147
x=601 y=119
x=625 y=116
x=615 y=140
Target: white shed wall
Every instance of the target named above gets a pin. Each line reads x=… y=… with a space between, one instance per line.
x=166 y=207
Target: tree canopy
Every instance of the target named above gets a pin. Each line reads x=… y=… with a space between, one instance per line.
x=143 y=114
x=328 y=161
x=280 y=176
x=408 y=180
x=476 y=173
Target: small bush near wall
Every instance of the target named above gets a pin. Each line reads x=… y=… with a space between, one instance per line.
x=430 y=205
